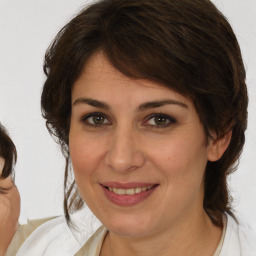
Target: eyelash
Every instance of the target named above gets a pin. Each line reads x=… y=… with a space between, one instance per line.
x=95 y=114
x=170 y=120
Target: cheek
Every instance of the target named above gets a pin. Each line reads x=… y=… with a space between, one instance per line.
x=84 y=152
x=180 y=152
x=182 y=161
x=86 y=155
x=82 y=163
x=182 y=165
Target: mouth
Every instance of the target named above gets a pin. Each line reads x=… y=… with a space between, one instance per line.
x=128 y=194
x=129 y=191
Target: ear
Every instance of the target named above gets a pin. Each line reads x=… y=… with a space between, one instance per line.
x=217 y=147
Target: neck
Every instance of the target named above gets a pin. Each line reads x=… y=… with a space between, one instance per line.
x=195 y=236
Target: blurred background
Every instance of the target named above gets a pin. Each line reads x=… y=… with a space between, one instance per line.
x=26 y=29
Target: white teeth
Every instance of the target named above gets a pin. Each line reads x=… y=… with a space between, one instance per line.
x=137 y=190
x=129 y=191
x=119 y=191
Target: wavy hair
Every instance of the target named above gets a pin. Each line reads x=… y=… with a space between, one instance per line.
x=188 y=46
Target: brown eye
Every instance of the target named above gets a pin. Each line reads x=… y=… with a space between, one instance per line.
x=160 y=120
x=98 y=119
x=95 y=119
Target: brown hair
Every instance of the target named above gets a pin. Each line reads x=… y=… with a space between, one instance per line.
x=7 y=152
x=185 y=45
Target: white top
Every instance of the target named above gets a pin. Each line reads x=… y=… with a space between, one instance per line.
x=239 y=239
x=54 y=238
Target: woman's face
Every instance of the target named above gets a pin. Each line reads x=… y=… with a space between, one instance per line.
x=138 y=151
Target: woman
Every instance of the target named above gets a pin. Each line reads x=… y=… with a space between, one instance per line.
x=149 y=104
x=9 y=195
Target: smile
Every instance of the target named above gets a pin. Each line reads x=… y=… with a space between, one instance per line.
x=129 y=191
x=128 y=194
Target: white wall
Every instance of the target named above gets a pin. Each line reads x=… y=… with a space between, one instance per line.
x=26 y=29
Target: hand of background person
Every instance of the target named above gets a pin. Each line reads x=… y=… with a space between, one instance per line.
x=9 y=212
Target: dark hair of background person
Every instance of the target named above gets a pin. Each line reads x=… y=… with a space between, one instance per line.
x=188 y=46
x=7 y=152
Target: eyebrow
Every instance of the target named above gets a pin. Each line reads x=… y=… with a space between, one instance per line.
x=92 y=102
x=142 y=107
x=160 y=103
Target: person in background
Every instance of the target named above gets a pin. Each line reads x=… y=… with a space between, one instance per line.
x=9 y=194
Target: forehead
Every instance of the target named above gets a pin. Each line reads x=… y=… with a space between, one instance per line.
x=100 y=79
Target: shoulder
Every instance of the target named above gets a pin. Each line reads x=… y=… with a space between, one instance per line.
x=23 y=232
x=52 y=237
x=240 y=239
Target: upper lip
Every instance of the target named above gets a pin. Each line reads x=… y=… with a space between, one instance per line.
x=114 y=184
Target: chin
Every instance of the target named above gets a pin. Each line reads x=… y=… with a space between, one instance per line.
x=129 y=226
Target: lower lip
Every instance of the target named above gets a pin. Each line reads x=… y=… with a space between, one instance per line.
x=127 y=200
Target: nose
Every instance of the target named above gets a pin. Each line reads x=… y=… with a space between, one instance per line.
x=125 y=152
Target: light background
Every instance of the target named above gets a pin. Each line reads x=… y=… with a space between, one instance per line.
x=26 y=29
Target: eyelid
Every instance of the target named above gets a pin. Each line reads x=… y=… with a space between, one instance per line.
x=170 y=118
x=84 y=119
x=86 y=116
x=162 y=115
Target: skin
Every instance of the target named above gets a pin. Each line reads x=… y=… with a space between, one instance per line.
x=131 y=145
x=9 y=210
